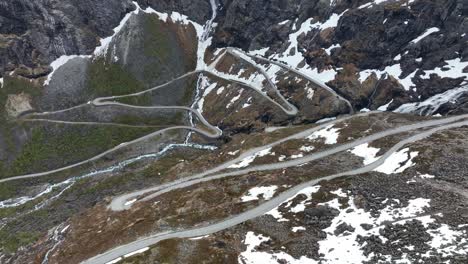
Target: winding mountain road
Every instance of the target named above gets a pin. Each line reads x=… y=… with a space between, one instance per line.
x=120 y=251
x=122 y=202
x=292 y=108
x=104 y=101
x=298 y=72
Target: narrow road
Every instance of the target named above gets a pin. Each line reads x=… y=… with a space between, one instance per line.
x=121 y=202
x=91 y=123
x=118 y=203
x=104 y=101
x=298 y=72
x=292 y=108
x=117 y=252
x=126 y=144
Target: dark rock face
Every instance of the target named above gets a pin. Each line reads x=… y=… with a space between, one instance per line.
x=253 y=24
x=197 y=10
x=34 y=33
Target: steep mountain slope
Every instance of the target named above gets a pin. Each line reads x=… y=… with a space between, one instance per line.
x=233 y=131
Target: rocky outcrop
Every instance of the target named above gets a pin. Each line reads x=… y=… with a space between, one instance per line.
x=35 y=32
x=198 y=10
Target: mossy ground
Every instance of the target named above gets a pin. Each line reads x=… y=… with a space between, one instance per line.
x=61 y=145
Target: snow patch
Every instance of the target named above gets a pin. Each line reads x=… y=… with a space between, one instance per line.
x=385 y=106
x=453 y=69
x=234 y=99
x=266 y=191
x=432 y=104
x=308 y=192
x=310 y=93
x=249 y=159
x=398 y=162
x=298 y=228
x=136 y=252
x=369 y=154
x=307 y=148
x=62 y=60
x=344 y=246
x=252 y=256
x=425 y=34
x=329 y=133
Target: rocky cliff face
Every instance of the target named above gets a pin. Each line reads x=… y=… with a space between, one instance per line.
x=98 y=96
x=34 y=33
x=385 y=53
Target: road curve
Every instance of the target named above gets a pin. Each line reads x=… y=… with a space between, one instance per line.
x=290 y=68
x=41 y=174
x=121 y=202
x=117 y=252
x=91 y=123
x=118 y=203
x=103 y=101
x=292 y=108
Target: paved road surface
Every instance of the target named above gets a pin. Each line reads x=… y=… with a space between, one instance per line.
x=259 y=210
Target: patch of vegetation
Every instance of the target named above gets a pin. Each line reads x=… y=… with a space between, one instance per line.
x=59 y=145
x=12 y=85
x=11 y=242
x=156 y=40
x=111 y=79
x=163 y=120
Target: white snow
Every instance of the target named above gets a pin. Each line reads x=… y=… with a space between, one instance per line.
x=200 y=237
x=397 y=162
x=298 y=228
x=310 y=93
x=234 y=99
x=252 y=256
x=453 y=69
x=101 y=50
x=334 y=46
x=307 y=148
x=448 y=242
x=369 y=154
x=294 y=58
x=249 y=159
x=393 y=70
x=397 y=57
x=343 y=248
x=324 y=120
x=432 y=104
x=232 y=153
x=330 y=134
x=425 y=34
x=207 y=89
x=248 y=103
x=282 y=158
x=62 y=60
x=385 y=106
x=1 y=82
x=426 y=176
x=308 y=192
x=297 y=156
x=130 y=202
x=375 y=2
x=136 y=252
x=115 y=260
x=266 y=191
x=220 y=90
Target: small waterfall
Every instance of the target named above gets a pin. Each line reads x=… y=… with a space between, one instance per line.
x=204 y=43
